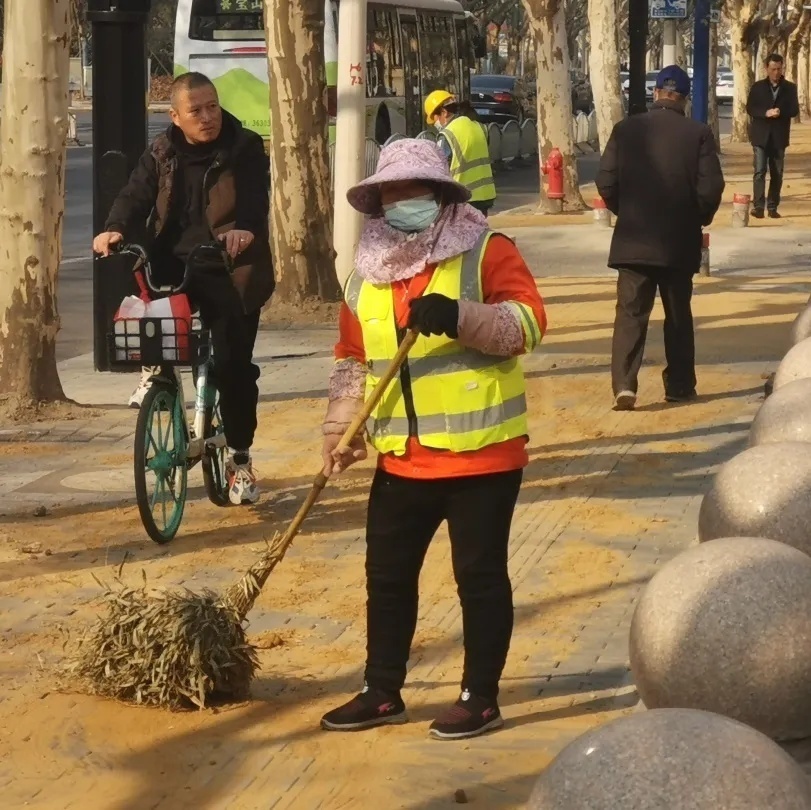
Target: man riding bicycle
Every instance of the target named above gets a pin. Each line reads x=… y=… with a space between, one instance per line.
x=207 y=177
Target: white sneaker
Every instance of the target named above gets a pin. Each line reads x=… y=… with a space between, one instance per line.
x=139 y=393
x=625 y=401
x=242 y=487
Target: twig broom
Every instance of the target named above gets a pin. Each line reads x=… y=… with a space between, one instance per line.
x=177 y=649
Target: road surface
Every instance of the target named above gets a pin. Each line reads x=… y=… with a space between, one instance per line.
x=516 y=187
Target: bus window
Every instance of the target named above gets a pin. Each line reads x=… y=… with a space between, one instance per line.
x=440 y=68
x=384 y=60
x=464 y=49
x=226 y=20
x=411 y=70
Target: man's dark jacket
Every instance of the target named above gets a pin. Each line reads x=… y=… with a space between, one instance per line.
x=236 y=195
x=774 y=132
x=660 y=174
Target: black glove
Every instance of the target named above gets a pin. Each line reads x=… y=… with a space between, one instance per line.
x=435 y=314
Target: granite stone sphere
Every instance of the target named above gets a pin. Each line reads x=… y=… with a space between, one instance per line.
x=801 y=327
x=765 y=491
x=672 y=759
x=725 y=627
x=796 y=365
x=785 y=416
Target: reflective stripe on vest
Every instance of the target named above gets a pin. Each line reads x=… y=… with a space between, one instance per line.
x=470 y=161
x=449 y=397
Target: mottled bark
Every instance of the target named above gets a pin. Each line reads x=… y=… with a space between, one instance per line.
x=681 y=57
x=35 y=121
x=742 y=76
x=547 y=21
x=300 y=197
x=604 y=65
x=797 y=59
x=804 y=77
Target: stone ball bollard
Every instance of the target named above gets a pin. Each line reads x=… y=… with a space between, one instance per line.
x=671 y=759
x=724 y=627
x=785 y=416
x=765 y=491
x=796 y=365
x=801 y=327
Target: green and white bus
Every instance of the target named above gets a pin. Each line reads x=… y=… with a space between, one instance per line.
x=413 y=47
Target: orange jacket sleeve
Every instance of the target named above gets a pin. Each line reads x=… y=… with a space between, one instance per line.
x=350 y=336
x=506 y=277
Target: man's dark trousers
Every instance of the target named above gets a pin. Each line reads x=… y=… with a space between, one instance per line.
x=636 y=292
x=774 y=159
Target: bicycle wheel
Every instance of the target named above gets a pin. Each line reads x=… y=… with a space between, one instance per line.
x=215 y=477
x=161 y=472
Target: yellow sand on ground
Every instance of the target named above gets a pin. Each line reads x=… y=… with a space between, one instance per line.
x=574 y=584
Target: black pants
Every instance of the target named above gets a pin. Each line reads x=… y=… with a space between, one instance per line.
x=775 y=160
x=403 y=517
x=636 y=292
x=233 y=333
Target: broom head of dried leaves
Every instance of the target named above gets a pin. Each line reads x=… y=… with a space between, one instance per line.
x=173 y=649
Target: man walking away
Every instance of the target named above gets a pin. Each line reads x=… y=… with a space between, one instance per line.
x=660 y=174
x=771 y=105
x=464 y=142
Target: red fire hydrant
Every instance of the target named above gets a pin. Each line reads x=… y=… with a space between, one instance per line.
x=552 y=167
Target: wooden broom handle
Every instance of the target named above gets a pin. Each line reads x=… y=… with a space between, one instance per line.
x=355 y=426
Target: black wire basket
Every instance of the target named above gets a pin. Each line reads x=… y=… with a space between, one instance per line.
x=164 y=341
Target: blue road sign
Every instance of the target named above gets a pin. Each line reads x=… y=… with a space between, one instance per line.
x=668 y=9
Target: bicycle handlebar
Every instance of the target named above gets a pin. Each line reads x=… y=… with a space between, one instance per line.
x=139 y=252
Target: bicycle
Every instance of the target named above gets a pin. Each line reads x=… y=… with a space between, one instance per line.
x=167 y=443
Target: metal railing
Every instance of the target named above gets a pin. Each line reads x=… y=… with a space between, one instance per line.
x=507 y=142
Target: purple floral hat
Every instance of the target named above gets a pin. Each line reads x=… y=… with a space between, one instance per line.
x=406 y=159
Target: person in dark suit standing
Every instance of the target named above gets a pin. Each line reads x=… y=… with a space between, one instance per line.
x=771 y=105
x=660 y=174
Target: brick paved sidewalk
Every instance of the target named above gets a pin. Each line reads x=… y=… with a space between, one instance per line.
x=608 y=497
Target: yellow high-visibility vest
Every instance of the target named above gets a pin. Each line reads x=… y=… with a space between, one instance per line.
x=470 y=161
x=447 y=396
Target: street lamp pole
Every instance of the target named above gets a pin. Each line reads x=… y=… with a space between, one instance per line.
x=701 y=60
x=350 y=131
x=119 y=137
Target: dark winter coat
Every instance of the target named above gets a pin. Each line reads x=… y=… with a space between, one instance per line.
x=660 y=174
x=235 y=195
x=774 y=132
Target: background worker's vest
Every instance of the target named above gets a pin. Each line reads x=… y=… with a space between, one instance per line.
x=470 y=161
x=447 y=396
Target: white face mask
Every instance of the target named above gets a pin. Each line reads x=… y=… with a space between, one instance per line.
x=438 y=124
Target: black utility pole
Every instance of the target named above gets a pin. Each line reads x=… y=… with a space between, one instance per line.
x=637 y=52
x=119 y=138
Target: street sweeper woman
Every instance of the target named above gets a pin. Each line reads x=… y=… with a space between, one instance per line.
x=451 y=431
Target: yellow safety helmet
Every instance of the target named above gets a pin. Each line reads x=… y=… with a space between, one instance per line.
x=433 y=102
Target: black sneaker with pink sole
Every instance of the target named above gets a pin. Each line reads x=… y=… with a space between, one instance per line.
x=470 y=716
x=371 y=707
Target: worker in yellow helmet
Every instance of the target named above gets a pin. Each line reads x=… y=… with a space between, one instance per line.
x=465 y=143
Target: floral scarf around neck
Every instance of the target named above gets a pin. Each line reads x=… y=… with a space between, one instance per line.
x=385 y=254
